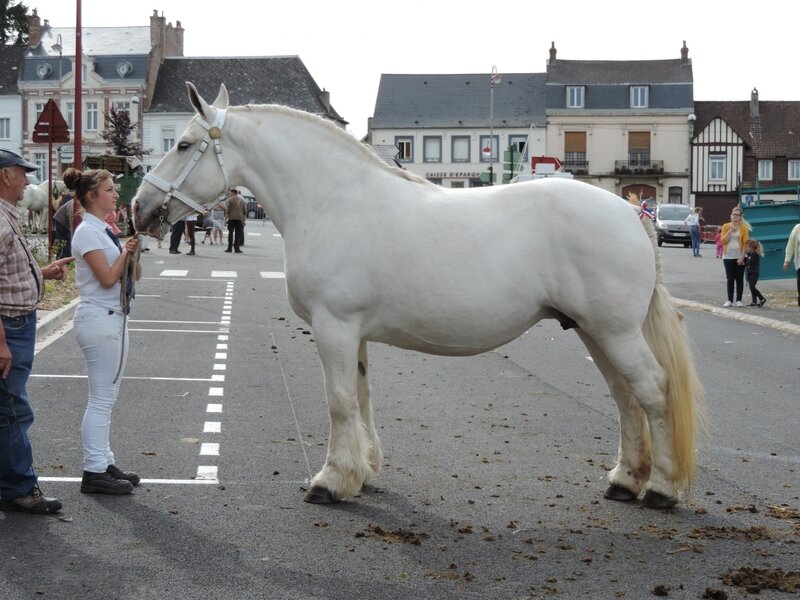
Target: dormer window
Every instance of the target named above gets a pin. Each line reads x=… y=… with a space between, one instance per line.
x=44 y=70
x=639 y=96
x=575 y=96
x=124 y=69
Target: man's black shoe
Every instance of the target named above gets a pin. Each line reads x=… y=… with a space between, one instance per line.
x=118 y=473
x=191 y=253
x=174 y=251
x=228 y=250
x=103 y=483
x=34 y=503
x=238 y=251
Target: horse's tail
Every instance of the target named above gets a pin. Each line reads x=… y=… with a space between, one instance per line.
x=668 y=339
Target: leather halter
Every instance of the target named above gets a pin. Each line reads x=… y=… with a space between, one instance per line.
x=213 y=133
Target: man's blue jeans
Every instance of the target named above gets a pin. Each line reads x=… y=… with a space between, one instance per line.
x=16 y=415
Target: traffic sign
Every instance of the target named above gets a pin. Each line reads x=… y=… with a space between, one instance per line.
x=51 y=128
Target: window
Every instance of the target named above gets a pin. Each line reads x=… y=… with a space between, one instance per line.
x=638 y=96
x=639 y=148
x=123 y=107
x=520 y=144
x=460 y=148
x=70 y=115
x=489 y=152
x=765 y=170
x=38 y=109
x=675 y=194
x=40 y=160
x=167 y=138
x=574 y=96
x=5 y=129
x=575 y=151
x=405 y=147
x=717 y=168
x=432 y=149
x=91 y=116
x=794 y=170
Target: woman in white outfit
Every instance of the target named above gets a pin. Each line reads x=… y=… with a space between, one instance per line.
x=100 y=324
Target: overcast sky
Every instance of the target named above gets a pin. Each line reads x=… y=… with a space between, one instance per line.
x=347 y=44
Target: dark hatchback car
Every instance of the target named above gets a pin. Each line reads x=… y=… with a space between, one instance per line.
x=670 y=226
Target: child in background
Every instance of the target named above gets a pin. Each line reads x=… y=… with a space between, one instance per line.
x=718 y=242
x=753 y=251
x=208 y=226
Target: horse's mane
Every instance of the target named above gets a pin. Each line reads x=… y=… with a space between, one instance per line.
x=365 y=149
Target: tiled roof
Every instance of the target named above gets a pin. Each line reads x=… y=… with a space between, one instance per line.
x=280 y=80
x=95 y=41
x=775 y=132
x=458 y=100
x=10 y=63
x=589 y=72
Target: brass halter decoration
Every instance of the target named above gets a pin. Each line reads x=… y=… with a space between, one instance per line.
x=213 y=133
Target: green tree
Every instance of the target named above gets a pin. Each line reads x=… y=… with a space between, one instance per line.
x=13 y=22
x=118 y=132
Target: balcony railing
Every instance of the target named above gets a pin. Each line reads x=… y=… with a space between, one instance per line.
x=575 y=167
x=639 y=167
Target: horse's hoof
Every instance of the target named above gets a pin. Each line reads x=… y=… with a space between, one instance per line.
x=320 y=495
x=657 y=500
x=619 y=493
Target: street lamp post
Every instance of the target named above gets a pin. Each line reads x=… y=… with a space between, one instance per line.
x=493 y=80
x=58 y=47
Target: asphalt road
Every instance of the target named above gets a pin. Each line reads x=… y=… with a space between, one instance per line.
x=493 y=472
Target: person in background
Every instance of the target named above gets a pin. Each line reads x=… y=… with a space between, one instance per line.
x=21 y=289
x=175 y=236
x=734 y=237
x=101 y=263
x=208 y=227
x=693 y=221
x=235 y=215
x=191 y=221
x=753 y=251
x=62 y=221
x=218 y=218
x=718 y=243
x=111 y=221
x=793 y=252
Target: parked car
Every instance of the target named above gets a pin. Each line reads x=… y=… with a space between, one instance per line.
x=254 y=209
x=670 y=226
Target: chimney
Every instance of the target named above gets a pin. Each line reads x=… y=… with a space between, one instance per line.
x=178 y=39
x=34 y=29
x=325 y=98
x=754 y=103
x=552 y=53
x=156 y=30
x=684 y=54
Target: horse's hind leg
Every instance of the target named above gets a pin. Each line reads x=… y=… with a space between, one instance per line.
x=632 y=470
x=632 y=358
x=347 y=464
x=365 y=406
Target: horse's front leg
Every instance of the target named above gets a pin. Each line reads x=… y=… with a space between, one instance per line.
x=347 y=465
x=365 y=406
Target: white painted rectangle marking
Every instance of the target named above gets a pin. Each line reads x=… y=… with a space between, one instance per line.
x=218 y=378
x=212 y=427
x=216 y=391
x=222 y=338
x=221 y=356
x=206 y=472
x=173 y=273
x=224 y=274
x=209 y=449
x=220 y=367
x=273 y=275
x=214 y=408
x=222 y=346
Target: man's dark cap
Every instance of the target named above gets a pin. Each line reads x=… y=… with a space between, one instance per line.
x=12 y=159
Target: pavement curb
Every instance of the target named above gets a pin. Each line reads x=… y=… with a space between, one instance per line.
x=55 y=319
x=738 y=314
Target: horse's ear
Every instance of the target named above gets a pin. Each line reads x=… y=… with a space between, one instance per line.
x=197 y=101
x=222 y=97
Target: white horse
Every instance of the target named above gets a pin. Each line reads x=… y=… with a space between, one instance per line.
x=34 y=200
x=373 y=253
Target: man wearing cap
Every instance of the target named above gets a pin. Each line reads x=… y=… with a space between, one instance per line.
x=21 y=289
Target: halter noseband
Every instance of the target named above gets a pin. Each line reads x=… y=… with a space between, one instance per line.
x=213 y=133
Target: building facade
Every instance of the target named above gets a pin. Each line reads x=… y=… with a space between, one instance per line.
x=454 y=129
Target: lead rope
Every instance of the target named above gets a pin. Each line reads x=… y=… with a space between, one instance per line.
x=128 y=274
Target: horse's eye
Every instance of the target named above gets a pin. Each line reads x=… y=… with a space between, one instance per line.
x=183 y=145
